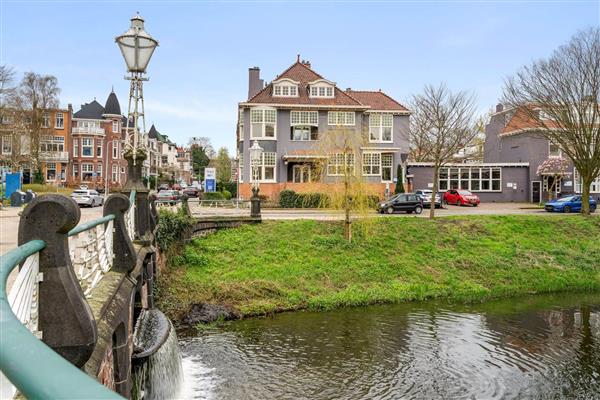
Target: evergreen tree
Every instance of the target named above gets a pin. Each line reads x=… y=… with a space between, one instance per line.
x=400 y=182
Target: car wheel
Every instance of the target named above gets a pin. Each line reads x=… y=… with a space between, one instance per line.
x=567 y=209
x=418 y=210
x=592 y=209
x=390 y=210
x=475 y=204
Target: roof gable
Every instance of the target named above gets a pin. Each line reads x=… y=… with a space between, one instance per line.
x=93 y=110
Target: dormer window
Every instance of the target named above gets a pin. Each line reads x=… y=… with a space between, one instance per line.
x=322 y=88
x=285 y=88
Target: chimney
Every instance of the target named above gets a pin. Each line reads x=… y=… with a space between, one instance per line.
x=306 y=63
x=499 y=107
x=255 y=84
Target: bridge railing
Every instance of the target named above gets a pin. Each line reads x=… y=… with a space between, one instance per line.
x=28 y=365
x=130 y=216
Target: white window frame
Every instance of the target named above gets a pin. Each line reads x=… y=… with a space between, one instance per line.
x=271 y=158
x=304 y=118
x=336 y=168
x=99 y=170
x=75 y=170
x=285 y=90
x=371 y=164
x=115 y=126
x=469 y=170
x=50 y=166
x=578 y=184
x=263 y=116
x=115 y=173
x=321 y=90
x=7 y=144
x=115 y=149
x=377 y=123
x=45 y=120
x=75 y=147
x=385 y=165
x=241 y=167
x=559 y=154
x=302 y=168
x=59 y=120
x=98 y=147
x=92 y=145
x=341 y=118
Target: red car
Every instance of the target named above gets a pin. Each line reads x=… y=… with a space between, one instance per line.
x=461 y=198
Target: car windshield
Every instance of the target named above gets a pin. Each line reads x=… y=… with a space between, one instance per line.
x=566 y=199
x=465 y=192
x=80 y=192
x=425 y=191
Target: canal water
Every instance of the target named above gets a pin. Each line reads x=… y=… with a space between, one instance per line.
x=534 y=347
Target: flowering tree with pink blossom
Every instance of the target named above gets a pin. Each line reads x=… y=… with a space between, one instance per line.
x=555 y=167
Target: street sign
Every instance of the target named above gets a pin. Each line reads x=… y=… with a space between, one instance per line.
x=210 y=180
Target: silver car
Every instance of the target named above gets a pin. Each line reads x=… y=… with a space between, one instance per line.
x=89 y=198
x=425 y=195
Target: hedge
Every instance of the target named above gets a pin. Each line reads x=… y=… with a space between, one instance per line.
x=291 y=199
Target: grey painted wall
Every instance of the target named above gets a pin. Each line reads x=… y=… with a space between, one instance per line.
x=519 y=175
x=284 y=145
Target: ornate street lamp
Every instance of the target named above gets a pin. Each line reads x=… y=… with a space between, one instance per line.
x=137 y=47
x=255 y=161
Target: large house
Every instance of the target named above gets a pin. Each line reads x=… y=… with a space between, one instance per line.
x=512 y=152
x=291 y=115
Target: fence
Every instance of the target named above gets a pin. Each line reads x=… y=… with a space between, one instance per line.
x=74 y=260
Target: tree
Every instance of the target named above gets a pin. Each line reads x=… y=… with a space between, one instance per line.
x=400 y=183
x=560 y=96
x=34 y=98
x=204 y=143
x=223 y=165
x=555 y=168
x=199 y=161
x=442 y=123
x=342 y=162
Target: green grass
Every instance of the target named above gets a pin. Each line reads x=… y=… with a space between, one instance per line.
x=291 y=265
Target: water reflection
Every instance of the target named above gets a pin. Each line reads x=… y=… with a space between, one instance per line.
x=535 y=347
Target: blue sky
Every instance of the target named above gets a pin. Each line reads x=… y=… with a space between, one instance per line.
x=200 y=71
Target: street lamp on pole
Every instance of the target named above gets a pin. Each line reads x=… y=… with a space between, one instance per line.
x=137 y=47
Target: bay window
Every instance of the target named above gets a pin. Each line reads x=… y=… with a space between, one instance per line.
x=263 y=123
x=340 y=164
x=341 y=118
x=265 y=170
x=87 y=148
x=380 y=127
x=475 y=179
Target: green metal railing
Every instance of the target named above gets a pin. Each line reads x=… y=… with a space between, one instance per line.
x=32 y=367
x=89 y=225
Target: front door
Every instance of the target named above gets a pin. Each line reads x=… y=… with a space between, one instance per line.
x=301 y=173
x=536 y=192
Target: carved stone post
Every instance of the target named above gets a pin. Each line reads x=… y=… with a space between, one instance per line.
x=153 y=212
x=255 y=203
x=185 y=205
x=65 y=318
x=135 y=182
x=124 y=252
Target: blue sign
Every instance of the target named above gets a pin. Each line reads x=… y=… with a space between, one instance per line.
x=210 y=185
x=13 y=183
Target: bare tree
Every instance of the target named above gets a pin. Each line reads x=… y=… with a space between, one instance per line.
x=342 y=163
x=561 y=96
x=35 y=97
x=442 y=123
x=12 y=128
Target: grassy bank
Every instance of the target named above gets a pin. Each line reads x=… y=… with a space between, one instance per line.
x=288 y=265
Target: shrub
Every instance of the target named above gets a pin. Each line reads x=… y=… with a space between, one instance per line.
x=213 y=196
x=231 y=187
x=172 y=228
x=38 y=177
x=291 y=199
x=226 y=194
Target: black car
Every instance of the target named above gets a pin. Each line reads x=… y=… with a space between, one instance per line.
x=408 y=202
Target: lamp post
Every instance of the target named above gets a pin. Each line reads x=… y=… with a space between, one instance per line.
x=137 y=47
x=255 y=161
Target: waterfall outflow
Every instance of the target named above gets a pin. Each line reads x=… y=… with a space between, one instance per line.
x=160 y=375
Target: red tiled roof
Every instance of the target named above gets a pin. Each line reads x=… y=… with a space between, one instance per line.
x=377 y=100
x=521 y=120
x=303 y=74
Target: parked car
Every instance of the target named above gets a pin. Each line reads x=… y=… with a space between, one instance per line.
x=191 y=191
x=408 y=202
x=83 y=187
x=163 y=186
x=89 y=198
x=168 y=195
x=461 y=198
x=425 y=195
x=569 y=204
x=176 y=186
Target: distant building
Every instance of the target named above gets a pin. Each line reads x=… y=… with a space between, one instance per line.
x=98 y=137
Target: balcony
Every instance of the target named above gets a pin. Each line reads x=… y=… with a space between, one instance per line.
x=60 y=156
x=88 y=130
